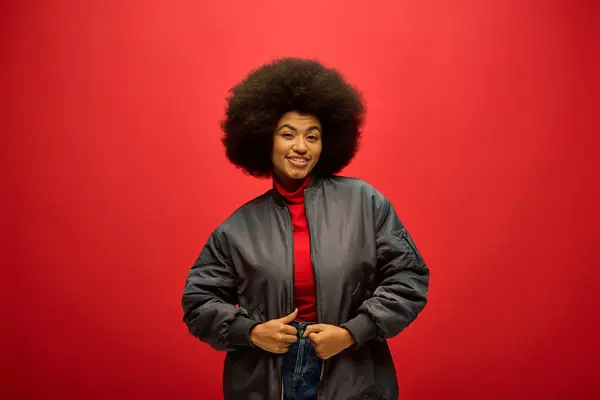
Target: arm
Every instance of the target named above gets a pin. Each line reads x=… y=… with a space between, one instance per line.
x=403 y=281
x=209 y=300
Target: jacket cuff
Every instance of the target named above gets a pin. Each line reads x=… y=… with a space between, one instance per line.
x=362 y=328
x=239 y=331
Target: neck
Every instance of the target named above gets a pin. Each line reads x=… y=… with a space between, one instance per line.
x=289 y=184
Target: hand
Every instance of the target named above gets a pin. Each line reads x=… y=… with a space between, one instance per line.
x=328 y=340
x=275 y=336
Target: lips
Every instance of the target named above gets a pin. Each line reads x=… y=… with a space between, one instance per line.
x=298 y=161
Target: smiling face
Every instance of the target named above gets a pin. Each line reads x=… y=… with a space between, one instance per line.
x=296 y=148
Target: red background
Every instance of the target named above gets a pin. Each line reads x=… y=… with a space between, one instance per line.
x=480 y=130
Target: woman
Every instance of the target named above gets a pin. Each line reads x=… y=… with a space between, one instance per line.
x=303 y=285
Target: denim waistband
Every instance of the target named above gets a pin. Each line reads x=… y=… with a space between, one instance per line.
x=301 y=326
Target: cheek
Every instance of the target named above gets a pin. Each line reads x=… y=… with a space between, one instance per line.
x=317 y=152
x=278 y=149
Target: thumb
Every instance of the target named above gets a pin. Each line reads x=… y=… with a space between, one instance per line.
x=316 y=328
x=290 y=317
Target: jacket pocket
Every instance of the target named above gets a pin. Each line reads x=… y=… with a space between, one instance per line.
x=408 y=243
x=412 y=246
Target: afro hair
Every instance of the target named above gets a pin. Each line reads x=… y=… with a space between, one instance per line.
x=256 y=104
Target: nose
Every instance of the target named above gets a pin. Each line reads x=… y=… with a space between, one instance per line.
x=299 y=145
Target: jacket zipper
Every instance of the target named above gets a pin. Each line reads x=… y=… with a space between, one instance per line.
x=319 y=319
x=293 y=290
x=291 y=257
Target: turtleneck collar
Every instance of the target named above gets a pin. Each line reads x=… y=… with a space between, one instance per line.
x=296 y=197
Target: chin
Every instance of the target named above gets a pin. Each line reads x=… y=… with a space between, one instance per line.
x=298 y=174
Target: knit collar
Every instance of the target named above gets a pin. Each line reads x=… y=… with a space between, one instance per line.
x=296 y=197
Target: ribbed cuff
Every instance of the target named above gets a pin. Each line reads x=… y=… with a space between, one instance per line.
x=362 y=328
x=239 y=331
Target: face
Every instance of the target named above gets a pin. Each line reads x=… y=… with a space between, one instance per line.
x=296 y=148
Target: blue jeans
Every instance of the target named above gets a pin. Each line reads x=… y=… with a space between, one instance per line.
x=301 y=368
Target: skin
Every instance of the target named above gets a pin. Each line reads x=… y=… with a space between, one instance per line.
x=276 y=335
x=297 y=136
x=328 y=340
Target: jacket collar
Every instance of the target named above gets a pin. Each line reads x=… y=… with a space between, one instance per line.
x=315 y=182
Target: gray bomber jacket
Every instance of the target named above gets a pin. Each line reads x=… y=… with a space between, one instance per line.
x=370 y=278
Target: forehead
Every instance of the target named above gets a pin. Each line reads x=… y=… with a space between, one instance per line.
x=296 y=119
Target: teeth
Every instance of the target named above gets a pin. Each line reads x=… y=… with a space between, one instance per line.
x=299 y=159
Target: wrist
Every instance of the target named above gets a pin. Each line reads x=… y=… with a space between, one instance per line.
x=349 y=339
x=252 y=333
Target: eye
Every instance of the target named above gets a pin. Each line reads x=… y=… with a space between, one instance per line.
x=313 y=138
x=287 y=135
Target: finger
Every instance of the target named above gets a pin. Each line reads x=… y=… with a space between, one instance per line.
x=283 y=349
x=290 y=330
x=319 y=327
x=314 y=338
x=316 y=328
x=289 y=338
x=290 y=317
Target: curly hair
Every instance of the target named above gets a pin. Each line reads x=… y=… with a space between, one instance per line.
x=255 y=105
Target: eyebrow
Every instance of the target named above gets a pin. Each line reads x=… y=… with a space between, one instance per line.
x=312 y=128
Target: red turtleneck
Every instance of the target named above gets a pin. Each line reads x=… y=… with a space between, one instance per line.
x=304 y=282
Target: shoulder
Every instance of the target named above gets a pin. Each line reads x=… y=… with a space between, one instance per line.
x=253 y=210
x=347 y=190
x=353 y=187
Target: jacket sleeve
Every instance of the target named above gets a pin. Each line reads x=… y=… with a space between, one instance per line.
x=210 y=297
x=403 y=281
